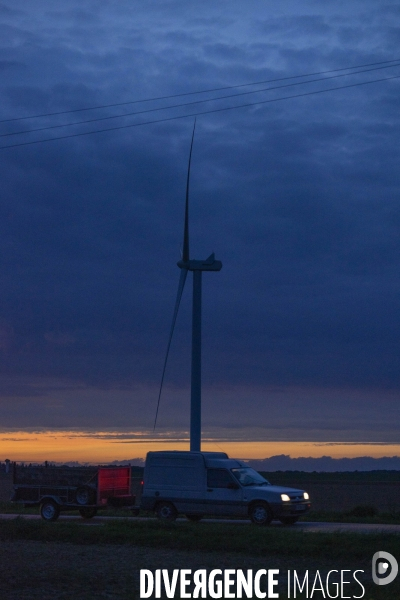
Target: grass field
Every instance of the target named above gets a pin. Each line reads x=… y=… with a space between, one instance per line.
x=209 y=537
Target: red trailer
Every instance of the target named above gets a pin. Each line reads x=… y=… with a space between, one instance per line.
x=85 y=489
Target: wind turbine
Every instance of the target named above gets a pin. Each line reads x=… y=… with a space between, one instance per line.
x=197 y=267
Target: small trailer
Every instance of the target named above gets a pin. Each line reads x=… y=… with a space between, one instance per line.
x=86 y=489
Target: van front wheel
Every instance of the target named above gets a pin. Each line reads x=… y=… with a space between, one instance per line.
x=166 y=511
x=260 y=514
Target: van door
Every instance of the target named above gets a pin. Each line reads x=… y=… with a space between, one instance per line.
x=224 y=495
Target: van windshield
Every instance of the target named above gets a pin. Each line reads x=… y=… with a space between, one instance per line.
x=248 y=476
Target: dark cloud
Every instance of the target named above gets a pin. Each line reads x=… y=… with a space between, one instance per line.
x=298 y=198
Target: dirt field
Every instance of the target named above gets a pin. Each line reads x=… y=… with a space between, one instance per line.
x=53 y=571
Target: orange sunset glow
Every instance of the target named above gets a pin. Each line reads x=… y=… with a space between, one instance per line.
x=104 y=447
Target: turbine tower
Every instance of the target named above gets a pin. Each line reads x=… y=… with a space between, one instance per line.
x=197 y=267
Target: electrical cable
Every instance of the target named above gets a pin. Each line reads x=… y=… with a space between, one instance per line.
x=149 y=110
x=206 y=112
x=230 y=87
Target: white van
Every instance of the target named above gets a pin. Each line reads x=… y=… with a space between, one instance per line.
x=210 y=483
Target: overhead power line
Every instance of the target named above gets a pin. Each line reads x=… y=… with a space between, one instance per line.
x=205 y=112
x=220 y=89
x=149 y=110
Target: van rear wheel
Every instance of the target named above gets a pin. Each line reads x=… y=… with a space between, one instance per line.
x=166 y=511
x=260 y=514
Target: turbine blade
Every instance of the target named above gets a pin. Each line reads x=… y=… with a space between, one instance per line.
x=185 y=253
x=181 y=285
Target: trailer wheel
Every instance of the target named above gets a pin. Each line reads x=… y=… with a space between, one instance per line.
x=85 y=495
x=194 y=518
x=289 y=520
x=49 y=510
x=166 y=511
x=260 y=513
x=88 y=513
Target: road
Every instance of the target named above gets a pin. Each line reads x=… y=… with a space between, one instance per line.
x=302 y=525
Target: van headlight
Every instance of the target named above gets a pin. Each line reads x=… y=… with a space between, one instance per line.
x=285 y=498
x=306 y=496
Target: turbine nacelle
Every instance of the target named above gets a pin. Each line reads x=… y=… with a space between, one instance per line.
x=210 y=264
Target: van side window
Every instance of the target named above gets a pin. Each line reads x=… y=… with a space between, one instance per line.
x=218 y=478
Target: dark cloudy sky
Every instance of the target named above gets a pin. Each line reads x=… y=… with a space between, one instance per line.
x=298 y=198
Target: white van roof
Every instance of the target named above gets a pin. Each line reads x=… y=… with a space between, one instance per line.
x=215 y=460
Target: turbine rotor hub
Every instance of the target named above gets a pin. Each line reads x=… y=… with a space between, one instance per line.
x=210 y=264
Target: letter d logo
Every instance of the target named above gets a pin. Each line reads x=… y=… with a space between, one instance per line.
x=386 y=560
